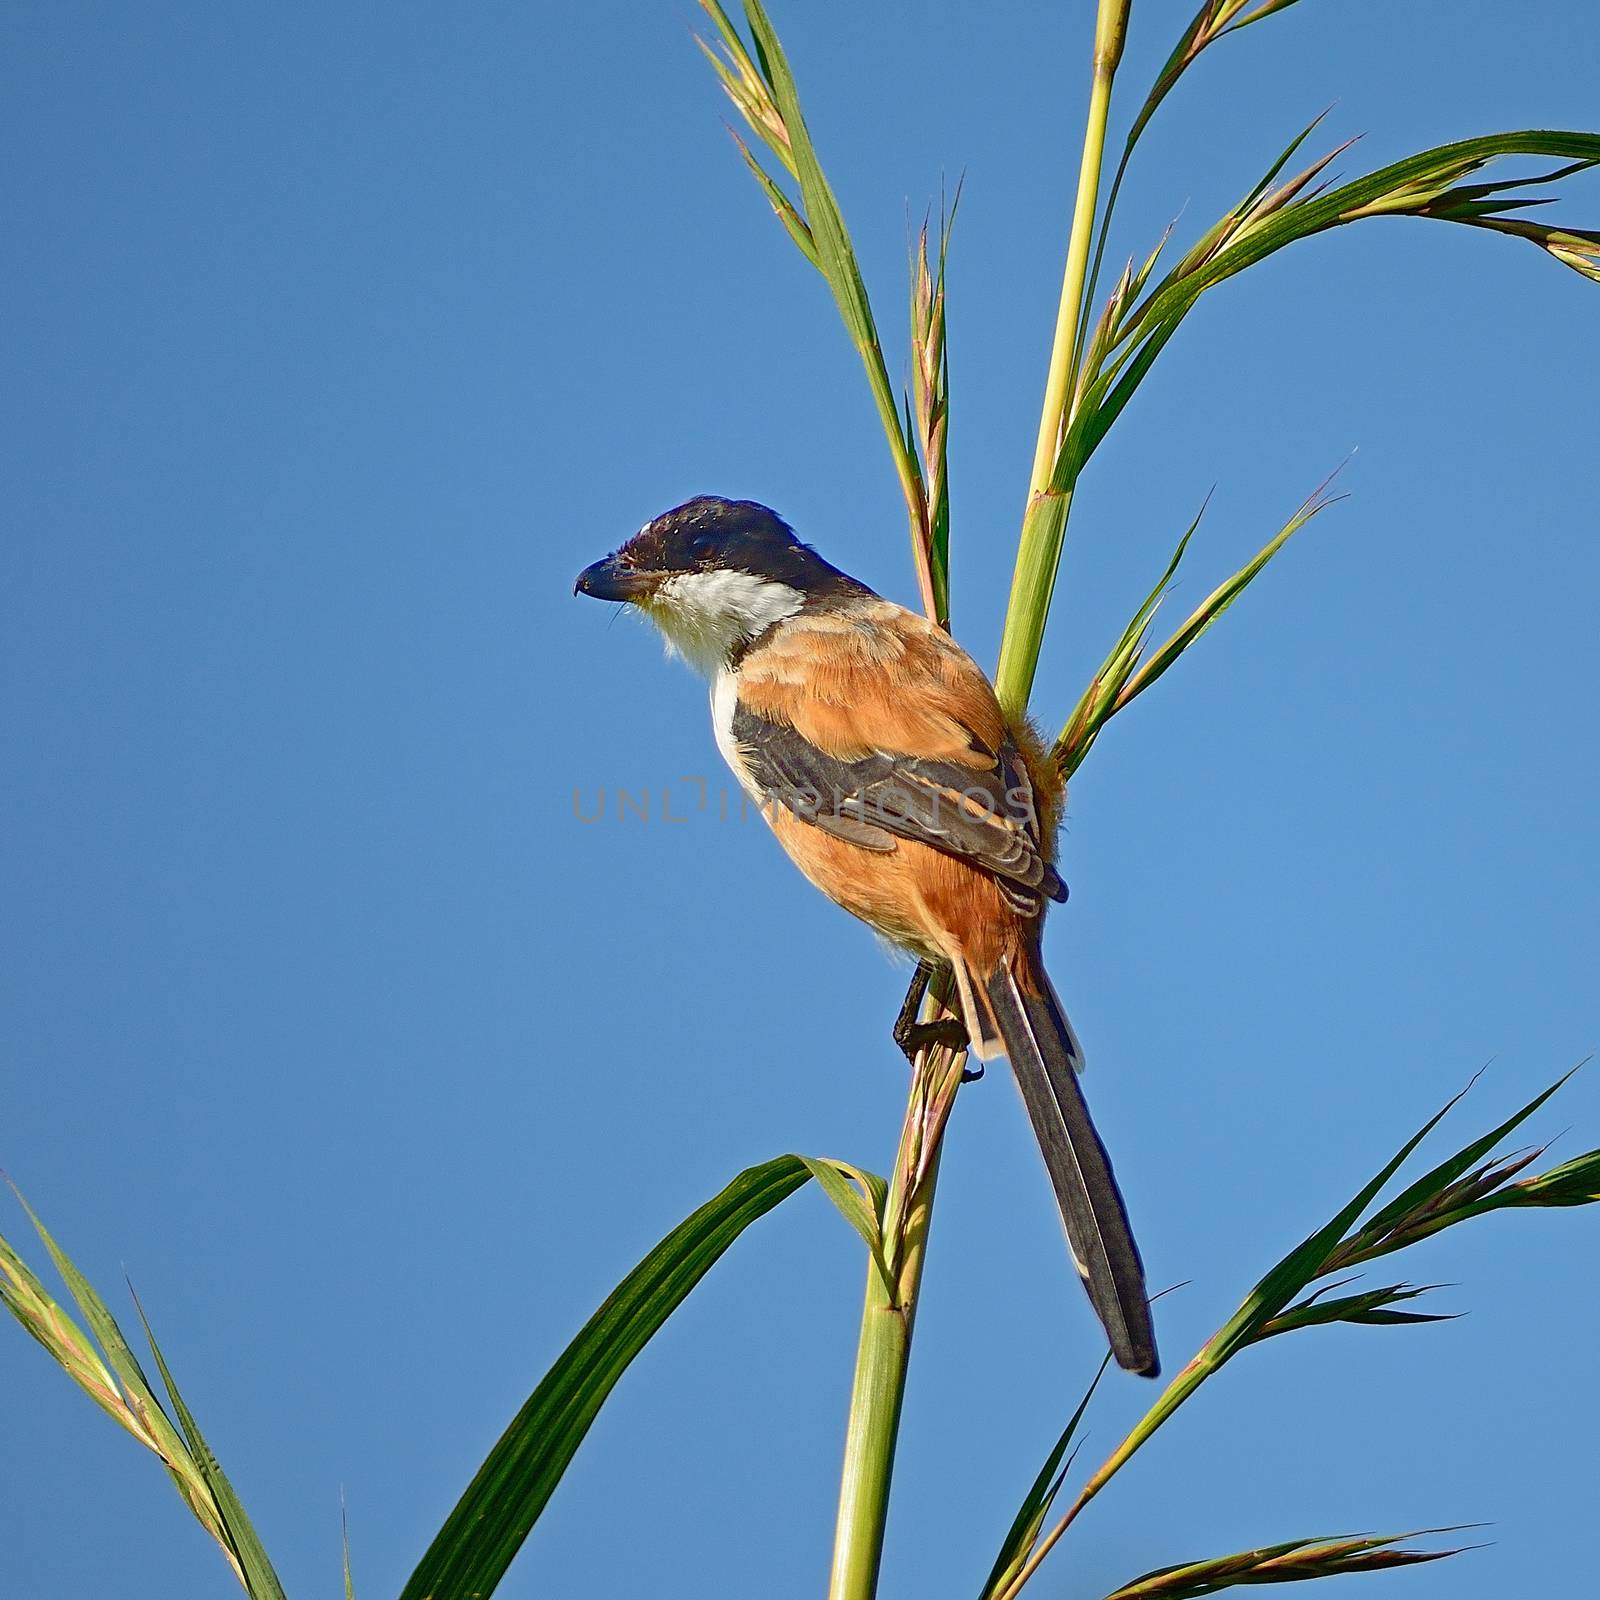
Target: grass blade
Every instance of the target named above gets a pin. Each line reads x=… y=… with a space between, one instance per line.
x=344 y=1551
x=1294 y=1561
x=1121 y=678
x=930 y=380
x=746 y=84
x=26 y=1298
x=103 y=1325
x=1040 y=1497
x=1434 y=1182
x=1573 y=1183
x=861 y=1205
x=476 y=1545
x=1216 y=603
x=836 y=258
x=762 y=87
x=1428 y=184
x=1266 y=1310
x=782 y=206
x=260 y=1581
x=1310 y=1259
x=129 y=1399
x=1371 y=1306
x=1423 y=185
x=154 y=1427
x=1098 y=701
x=1214 y=20
x=1460 y=1188
x=1211 y=22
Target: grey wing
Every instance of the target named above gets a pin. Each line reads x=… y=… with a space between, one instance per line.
x=984 y=816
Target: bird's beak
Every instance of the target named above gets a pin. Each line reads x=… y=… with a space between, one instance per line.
x=611 y=579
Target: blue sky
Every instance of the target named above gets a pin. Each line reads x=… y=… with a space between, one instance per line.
x=338 y=339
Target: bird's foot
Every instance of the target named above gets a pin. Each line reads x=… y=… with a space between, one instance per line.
x=915 y=1037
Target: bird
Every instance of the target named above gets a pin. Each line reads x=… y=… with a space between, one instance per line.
x=880 y=757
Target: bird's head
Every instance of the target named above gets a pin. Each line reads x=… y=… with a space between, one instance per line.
x=714 y=575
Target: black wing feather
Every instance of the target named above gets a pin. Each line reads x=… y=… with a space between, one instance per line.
x=986 y=817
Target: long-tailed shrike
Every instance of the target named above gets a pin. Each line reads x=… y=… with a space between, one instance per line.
x=884 y=764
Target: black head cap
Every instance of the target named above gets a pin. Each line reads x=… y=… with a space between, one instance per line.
x=709 y=533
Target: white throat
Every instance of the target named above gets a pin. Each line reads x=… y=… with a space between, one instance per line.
x=705 y=616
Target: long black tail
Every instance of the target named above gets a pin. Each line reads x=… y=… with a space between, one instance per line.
x=1044 y=1056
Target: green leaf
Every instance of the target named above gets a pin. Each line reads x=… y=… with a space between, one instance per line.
x=1040 y=1497
x=782 y=205
x=131 y=1401
x=1308 y=1259
x=26 y=1298
x=344 y=1550
x=836 y=260
x=1097 y=702
x=1573 y=1183
x=1033 y=582
x=762 y=87
x=1316 y=1256
x=861 y=1206
x=476 y=1545
x=836 y=255
x=260 y=1581
x=104 y=1326
x=1370 y=1307
x=159 y=1434
x=1293 y=1561
x=1214 y=20
x=1121 y=679
x=1216 y=603
x=1460 y=1188
x=930 y=374
x=1439 y=1178
x=1421 y=185
x=747 y=86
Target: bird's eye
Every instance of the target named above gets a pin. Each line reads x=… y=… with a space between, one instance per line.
x=703 y=545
